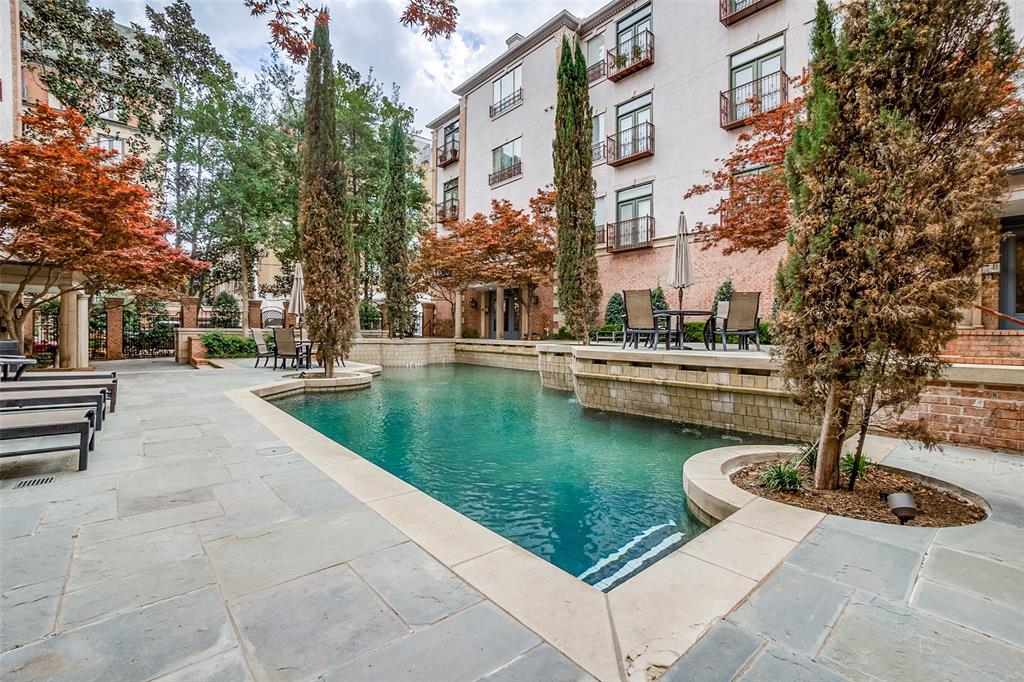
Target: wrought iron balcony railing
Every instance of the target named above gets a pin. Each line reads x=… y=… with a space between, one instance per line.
x=731 y=11
x=596 y=71
x=597 y=152
x=626 y=235
x=505 y=173
x=743 y=101
x=630 y=144
x=630 y=55
x=448 y=210
x=507 y=103
x=448 y=153
x=599 y=234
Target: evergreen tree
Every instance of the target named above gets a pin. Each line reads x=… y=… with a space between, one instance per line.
x=579 y=292
x=325 y=233
x=615 y=310
x=395 y=236
x=896 y=175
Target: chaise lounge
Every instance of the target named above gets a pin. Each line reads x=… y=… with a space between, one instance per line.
x=46 y=423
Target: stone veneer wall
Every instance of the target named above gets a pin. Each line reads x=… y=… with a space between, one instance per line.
x=520 y=355
x=749 y=397
x=403 y=352
x=555 y=365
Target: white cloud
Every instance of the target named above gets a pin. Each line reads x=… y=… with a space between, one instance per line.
x=367 y=33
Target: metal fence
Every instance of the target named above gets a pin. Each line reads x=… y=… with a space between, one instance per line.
x=98 y=335
x=219 y=319
x=148 y=335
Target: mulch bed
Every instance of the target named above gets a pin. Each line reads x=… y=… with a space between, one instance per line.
x=936 y=508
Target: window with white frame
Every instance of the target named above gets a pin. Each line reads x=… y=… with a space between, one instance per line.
x=597 y=137
x=507 y=90
x=595 y=50
x=507 y=155
x=756 y=73
x=111 y=144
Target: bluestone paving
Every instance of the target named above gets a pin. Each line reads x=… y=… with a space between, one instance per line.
x=418 y=587
x=313 y=625
x=542 y=662
x=718 y=657
x=233 y=532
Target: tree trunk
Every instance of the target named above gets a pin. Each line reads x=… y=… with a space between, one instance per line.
x=830 y=444
x=243 y=265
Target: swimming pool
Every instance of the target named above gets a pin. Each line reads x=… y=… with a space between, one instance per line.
x=597 y=494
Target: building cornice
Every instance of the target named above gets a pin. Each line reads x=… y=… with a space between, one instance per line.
x=444 y=118
x=563 y=19
x=604 y=14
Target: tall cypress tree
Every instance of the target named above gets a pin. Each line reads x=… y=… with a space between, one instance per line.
x=579 y=291
x=325 y=234
x=897 y=174
x=394 y=231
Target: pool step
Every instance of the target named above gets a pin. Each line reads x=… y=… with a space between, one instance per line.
x=633 y=557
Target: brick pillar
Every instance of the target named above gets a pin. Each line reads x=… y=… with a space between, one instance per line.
x=189 y=312
x=428 y=319
x=289 y=319
x=256 y=314
x=115 y=327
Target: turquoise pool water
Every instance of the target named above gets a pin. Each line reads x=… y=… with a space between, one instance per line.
x=597 y=494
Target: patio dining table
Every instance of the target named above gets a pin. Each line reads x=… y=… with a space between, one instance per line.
x=679 y=316
x=16 y=362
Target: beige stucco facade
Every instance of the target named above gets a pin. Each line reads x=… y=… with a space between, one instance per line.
x=694 y=58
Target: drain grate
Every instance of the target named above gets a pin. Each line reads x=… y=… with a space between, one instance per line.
x=32 y=482
x=271 y=451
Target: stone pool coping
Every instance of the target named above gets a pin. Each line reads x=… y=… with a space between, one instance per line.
x=632 y=632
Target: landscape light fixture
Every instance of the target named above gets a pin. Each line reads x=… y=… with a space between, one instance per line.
x=901 y=505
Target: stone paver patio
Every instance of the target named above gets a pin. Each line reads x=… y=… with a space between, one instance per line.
x=199 y=546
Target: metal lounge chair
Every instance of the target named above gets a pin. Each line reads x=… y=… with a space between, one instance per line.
x=739 y=318
x=286 y=349
x=110 y=384
x=640 y=322
x=262 y=351
x=37 y=400
x=40 y=424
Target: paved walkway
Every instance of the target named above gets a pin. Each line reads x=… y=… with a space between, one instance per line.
x=198 y=546
x=868 y=601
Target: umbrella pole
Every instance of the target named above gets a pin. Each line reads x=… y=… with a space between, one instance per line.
x=680 y=292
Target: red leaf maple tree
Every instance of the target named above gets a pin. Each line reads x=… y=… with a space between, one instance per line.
x=507 y=247
x=755 y=211
x=68 y=206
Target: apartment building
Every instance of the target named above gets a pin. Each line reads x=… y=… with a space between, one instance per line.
x=670 y=84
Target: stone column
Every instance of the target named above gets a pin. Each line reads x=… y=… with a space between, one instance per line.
x=524 y=323
x=115 y=328
x=256 y=313
x=67 y=331
x=499 y=314
x=82 y=356
x=458 y=314
x=481 y=302
x=28 y=329
x=189 y=312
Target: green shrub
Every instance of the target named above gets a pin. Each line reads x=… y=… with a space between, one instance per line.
x=369 y=314
x=615 y=311
x=807 y=454
x=227 y=345
x=658 y=301
x=226 y=312
x=724 y=293
x=563 y=334
x=846 y=465
x=781 y=477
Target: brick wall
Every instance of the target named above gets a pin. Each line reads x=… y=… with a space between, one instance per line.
x=989 y=416
x=987 y=347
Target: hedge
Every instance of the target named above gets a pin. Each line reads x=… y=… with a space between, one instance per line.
x=219 y=345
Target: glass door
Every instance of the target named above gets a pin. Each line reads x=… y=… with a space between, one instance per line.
x=759 y=79
x=630 y=210
x=1011 y=271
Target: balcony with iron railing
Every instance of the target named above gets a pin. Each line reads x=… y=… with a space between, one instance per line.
x=596 y=71
x=448 y=153
x=626 y=235
x=597 y=152
x=630 y=56
x=448 y=211
x=631 y=144
x=731 y=11
x=510 y=102
x=599 y=233
x=738 y=104
x=504 y=174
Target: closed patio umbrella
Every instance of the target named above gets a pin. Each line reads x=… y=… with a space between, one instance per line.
x=297 y=305
x=682 y=269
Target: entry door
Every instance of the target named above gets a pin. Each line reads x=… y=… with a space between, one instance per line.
x=1011 y=272
x=511 y=321
x=492 y=314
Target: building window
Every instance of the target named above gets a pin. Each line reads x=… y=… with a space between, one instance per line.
x=633 y=27
x=757 y=73
x=507 y=91
x=506 y=161
x=451 y=133
x=597 y=137
x=635 y=202
x=634 y=219
x=595 y=58
x=449 y=150
x=451 y=189
x=634 y=132
x=599 y=228
x=111 y=144
x=448 y=209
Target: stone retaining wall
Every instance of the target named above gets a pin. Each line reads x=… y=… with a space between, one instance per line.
x=403 y=352
x=490 y=353
x=748 y=397
x=555 y=365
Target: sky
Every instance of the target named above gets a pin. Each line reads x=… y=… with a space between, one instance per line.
x=367 y=34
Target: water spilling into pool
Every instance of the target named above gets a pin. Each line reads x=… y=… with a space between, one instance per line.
x=597 y=494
